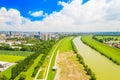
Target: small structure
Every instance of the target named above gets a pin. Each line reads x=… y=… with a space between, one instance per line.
x=3 y=65
x=54 y=68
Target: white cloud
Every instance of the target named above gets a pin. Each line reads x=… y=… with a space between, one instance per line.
x=37 y=14
x=11 y=19
x=96 y=15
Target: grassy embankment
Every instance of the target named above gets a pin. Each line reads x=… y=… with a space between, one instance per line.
x=110 y=52
x=29 y=72
x=51 y=74
x=7 y=72
x=63 y=47
x=44 y=67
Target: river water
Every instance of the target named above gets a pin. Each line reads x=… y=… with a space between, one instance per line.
x=103 y=68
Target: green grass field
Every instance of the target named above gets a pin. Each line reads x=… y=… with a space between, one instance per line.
x=64 y=46
x=31 y=69
x=29 y=72
x=51 y=74
x=15 y=53
x=11 y=58
x=103 y=37
x=44 y=67
x=109 y=51
x=7 y=72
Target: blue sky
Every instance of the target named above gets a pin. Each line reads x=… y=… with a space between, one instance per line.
x=26 y=6
x=60 y=15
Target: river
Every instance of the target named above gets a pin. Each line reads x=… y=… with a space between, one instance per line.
x=103 y=68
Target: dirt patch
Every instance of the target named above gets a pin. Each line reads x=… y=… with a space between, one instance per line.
x=68 y=68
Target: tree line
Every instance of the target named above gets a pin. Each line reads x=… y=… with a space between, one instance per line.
x=42 y=47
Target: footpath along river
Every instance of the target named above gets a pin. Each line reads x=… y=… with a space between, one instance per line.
x=103 y=68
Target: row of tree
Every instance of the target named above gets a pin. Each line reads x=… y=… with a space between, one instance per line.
x=105 y=39
x=40 y=63
x=23 y=47
x=40 y=48
x=100 y=40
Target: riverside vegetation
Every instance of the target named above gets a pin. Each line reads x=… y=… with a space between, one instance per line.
x=110 y=52
x=81 y=60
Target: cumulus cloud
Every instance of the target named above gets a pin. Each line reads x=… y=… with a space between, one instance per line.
x=37 y=14
x=95 y=15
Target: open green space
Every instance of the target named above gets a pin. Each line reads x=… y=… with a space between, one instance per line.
x=11 y=58
x=7 y=72
x=51 y=74
x=104 y=37
x=111 y=52
x=44 y=67
x=15 y=53
x=63 y=46
x=21 y=69
x=103 y=68
x=66 y=45
x=29 y=72
x=42 y=73
x=31 y=69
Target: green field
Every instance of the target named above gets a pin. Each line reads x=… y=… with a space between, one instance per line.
x=44 y=67
x=103 y=37
x=29 y=72
x=15 y=53
x=51 y=74
x=11 y=58
x=111 y=52
x=64 y=46
x=7 y=72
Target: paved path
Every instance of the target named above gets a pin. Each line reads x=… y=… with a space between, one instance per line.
x=37 y=74
x=100 y=65
x=51 y=60
x=48 y=65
